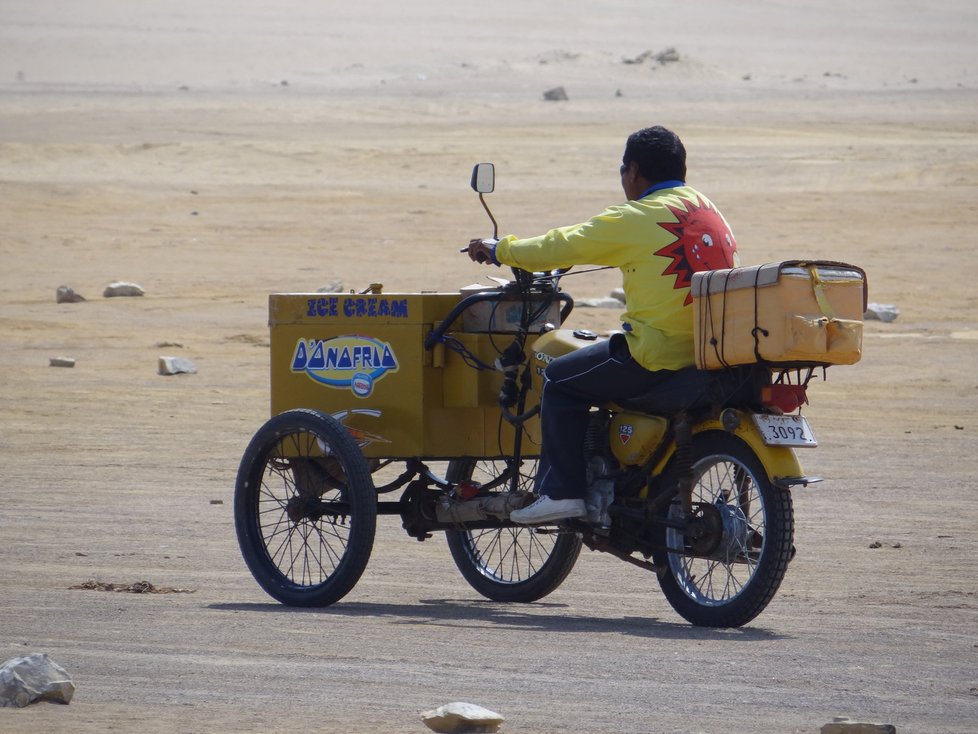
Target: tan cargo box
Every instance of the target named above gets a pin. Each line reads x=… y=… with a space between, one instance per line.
x=792 y=313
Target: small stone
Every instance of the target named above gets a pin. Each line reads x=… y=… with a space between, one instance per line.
x=122 y=290
x=66 y=294
x=845 y=725
x=217 y=502
x=557 y=94
x=619 y=294
x=668 y=56
x=176 y=366
x=31 y=678
x=598 y=302
x=882 y=312
x=453 y=718
x=62 y=362
x=640 y=59
x=335 y=286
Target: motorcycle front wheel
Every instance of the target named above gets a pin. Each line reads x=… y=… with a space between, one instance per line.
x=511 y=564
x=727 y=573
x=305 y=509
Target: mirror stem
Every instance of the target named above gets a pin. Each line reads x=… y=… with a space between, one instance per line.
x=495 y=227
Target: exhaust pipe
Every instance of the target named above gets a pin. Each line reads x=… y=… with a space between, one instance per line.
x=496 y=507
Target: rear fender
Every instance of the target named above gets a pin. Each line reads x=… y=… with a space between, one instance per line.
x=780 y=462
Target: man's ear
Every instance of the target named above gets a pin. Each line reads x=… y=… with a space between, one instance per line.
x=630 y=179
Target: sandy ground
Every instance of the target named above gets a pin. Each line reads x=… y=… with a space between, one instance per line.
x=214 y=152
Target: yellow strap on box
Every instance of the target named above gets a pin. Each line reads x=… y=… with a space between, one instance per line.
x=820 y=298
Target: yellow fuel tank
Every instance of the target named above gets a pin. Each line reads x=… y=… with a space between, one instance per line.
x=555 y=344
x=634 y=436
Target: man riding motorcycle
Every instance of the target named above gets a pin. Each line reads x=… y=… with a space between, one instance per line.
x=659 y=237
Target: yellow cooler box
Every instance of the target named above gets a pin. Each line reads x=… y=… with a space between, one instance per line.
x=361 y=358
x=793 y=313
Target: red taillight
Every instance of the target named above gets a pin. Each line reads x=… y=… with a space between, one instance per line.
x=467 y=490
x=786 y=398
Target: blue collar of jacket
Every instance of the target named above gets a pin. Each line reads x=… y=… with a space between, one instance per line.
x=670 y=184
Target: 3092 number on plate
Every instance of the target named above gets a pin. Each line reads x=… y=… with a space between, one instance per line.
x=785 y=430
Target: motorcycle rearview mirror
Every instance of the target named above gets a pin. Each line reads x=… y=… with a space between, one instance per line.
x=483 y=182
x=483 y=178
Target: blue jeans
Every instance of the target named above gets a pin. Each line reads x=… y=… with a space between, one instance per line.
x=600 y=373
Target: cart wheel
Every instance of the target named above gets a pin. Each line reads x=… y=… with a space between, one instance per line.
x=305 y=509
x=512 y=564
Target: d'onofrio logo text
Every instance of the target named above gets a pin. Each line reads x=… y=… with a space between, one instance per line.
x=346 y=362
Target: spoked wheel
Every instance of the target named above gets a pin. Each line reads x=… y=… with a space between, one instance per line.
x=305 y=509
x=727 y=567
x=512 y=564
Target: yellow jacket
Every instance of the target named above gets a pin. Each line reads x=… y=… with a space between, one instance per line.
x=658 y=242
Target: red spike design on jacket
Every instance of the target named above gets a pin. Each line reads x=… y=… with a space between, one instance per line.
x=703 y=242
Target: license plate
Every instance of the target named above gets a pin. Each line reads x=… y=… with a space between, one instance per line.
x=785 y=430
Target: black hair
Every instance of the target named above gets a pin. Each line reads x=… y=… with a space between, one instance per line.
x=659 y=153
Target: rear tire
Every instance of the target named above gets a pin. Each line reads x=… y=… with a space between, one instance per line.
x=742 y=574
x=511 y=564
x=305 y=509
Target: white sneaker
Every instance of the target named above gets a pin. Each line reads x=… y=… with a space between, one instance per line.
x=547 y=510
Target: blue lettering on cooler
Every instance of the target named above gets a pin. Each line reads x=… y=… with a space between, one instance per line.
x=322 y=307
x=357 y=307
x=351 y=361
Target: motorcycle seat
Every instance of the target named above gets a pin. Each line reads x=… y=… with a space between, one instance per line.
x=692 y=388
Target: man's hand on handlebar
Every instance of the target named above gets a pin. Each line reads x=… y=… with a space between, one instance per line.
x=482 y=251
